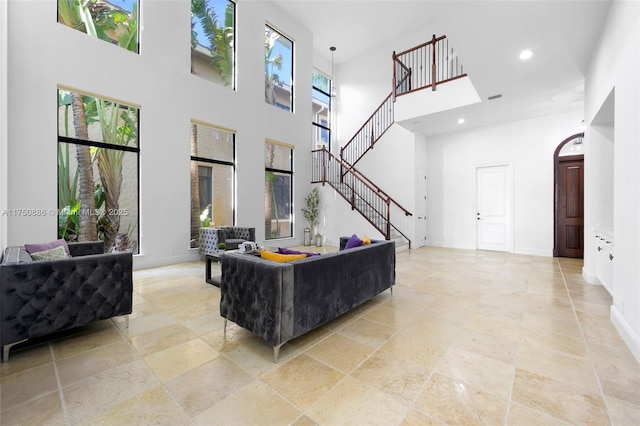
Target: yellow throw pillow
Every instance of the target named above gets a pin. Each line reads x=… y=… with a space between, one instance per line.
x=277 y=257
x=365 y=240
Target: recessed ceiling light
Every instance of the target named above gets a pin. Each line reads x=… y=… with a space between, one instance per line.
x=460 y=120
x=526 y=54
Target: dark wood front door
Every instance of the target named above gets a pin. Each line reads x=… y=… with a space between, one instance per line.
x=569 y=206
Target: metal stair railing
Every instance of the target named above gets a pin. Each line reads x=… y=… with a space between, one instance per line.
x=375 y=205
x=370 y=132
x=425 y=65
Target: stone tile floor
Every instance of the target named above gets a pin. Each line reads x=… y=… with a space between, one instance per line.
x=468 y=337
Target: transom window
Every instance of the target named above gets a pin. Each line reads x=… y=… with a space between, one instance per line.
x=213 y=40
x=114 y=21
x=321 y=109
x=278 y=69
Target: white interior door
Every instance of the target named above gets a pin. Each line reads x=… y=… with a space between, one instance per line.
x=493 y=204
x=421 y=209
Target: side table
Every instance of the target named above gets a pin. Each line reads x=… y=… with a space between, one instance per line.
x=207 y=275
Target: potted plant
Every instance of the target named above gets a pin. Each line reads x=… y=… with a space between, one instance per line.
x=312 y=211
x=222 y=247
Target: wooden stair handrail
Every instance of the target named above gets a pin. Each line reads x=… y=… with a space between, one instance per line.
x=433 y=40
x=371 y=117
x=359 y=187
x=437 y=62
x=372 y=186
x=377 y=188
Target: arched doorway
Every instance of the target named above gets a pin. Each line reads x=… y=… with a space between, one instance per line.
x=569 y=198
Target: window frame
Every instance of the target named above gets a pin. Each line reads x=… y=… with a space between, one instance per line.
x=289 y=172
x=234 y=79
x=278 y=105
x=209 y=162
x=110 y=40
x=314 y=89
x=103 y=145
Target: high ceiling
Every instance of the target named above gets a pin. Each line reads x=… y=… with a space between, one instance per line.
x=488 y=37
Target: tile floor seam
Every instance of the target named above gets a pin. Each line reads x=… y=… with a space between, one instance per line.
x=515 y=363
x=27 y=402
x=148 y=368
x=63 y=402
x=375 y=350
x=424 y=386
x=586 y=343
x=304 y=411
x=409 y=411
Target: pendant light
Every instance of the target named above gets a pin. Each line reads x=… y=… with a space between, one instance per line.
x=333 y=91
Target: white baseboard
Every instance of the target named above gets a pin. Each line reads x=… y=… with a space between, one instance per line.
x=448 y=244
x=140 y=262
x=471 y=246
x=589 y=277
x=533 y=252
x=626 y=332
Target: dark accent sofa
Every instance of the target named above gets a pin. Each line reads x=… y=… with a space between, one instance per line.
x=281 y=301
x=232 y=236
x=38 y=298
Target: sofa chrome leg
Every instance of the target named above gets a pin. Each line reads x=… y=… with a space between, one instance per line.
x=225 y=326
x=126 y=321
x=276 y=353
x=5 y=349
x=391 y=288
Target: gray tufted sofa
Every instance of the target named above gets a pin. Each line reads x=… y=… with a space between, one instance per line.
x=43 y=297
x=281 y=301
x=232 y=236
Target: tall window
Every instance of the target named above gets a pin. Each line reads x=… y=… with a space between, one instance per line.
x=212 y=178
x=213 y=40
x=278 y=69
x=278 y=206
x=114 y=21
x=98 y=163
x=321 y=108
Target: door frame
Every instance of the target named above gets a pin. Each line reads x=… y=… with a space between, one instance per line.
x=556 y=172
x=510 y=202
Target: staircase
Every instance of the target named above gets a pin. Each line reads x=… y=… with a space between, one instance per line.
x=375 y=205
x=423 y=66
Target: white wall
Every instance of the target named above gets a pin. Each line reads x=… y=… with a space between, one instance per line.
x=528 y=147
x=391 y=166
x=158 y=80
x=615 y=67
x=4 y=151
x=361 y=85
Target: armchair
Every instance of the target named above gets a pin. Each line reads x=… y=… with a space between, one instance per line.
x=232 y=236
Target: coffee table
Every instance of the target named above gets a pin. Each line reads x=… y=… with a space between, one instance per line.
x=209 y=257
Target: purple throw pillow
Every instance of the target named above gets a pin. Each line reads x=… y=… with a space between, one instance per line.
x=284 y=250
x=354 y=241
x=37 y=248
